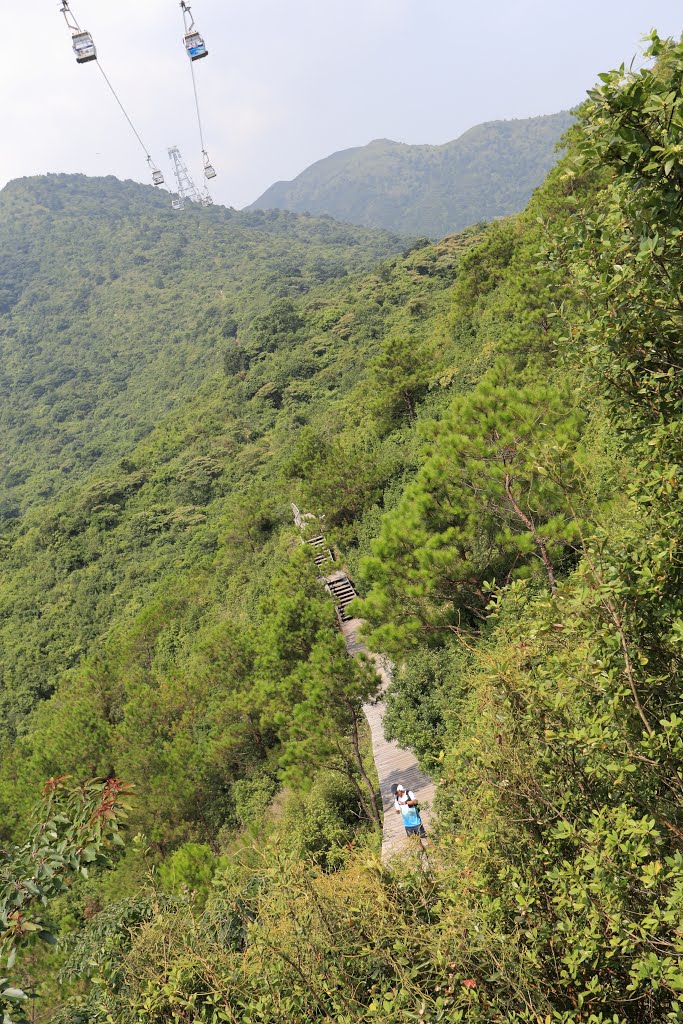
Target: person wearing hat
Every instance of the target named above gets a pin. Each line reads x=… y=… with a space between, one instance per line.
x=405 y=804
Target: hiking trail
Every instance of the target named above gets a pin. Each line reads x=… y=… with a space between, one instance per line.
x=393 y=763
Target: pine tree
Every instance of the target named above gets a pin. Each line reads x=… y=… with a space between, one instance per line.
x=492 y=499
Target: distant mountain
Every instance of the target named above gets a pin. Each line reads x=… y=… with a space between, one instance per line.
x=488 y=172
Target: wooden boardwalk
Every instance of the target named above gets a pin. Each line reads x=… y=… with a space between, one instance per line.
x=393 y=764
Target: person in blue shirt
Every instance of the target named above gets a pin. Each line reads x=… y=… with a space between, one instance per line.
x=405 y=804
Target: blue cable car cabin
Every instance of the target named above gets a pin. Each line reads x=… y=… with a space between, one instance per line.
x=195 y=46
x=84 y=47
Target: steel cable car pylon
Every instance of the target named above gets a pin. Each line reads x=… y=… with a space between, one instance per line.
x=196 y=49
x=85 y=51
x=186 y=187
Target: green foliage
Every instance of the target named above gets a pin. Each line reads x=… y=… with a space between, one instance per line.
x=194 y=510
x=519 y=527
x=253 y=797
x=190 y=868
x=488 y=172
x=75 y=828
x=493 y=497
x=320 y=825
x=114 y=311
x=309 y=688
x=400 y=374
x=98 y=954
x=150 y=614
x=427 y=690
x=325 y=718
x=334 y=476
x=637 y=127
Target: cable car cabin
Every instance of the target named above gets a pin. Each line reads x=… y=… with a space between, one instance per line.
x=157 y=178
x=195 y=46
x=84 y=48
x=209 y=172
x=177 y=204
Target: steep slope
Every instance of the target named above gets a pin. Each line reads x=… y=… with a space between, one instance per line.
x=113 y=308
x=488 y=172
x=185 y=461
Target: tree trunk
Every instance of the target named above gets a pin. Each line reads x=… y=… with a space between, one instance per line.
x=538 y=540
x=376 y=817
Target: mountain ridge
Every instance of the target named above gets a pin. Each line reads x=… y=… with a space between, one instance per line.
x=489 y=171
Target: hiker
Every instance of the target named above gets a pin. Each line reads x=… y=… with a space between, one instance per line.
x=405 y=804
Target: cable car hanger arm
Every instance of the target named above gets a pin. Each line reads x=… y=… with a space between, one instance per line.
x=187 y=13
x=69 y=17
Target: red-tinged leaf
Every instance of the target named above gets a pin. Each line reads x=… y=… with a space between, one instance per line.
x=56 y=782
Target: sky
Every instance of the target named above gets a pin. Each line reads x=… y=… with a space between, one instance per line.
x=287 y=82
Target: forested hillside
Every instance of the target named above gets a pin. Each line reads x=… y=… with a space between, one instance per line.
x=113 y=309
x=488 y=172
x=491 y=427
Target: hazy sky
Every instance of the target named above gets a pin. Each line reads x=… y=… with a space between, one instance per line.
x=288 y=82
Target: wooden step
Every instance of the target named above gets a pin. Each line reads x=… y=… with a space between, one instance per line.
x=340 y=591
x=340 y=583
x=321 y=551
x=343 y=593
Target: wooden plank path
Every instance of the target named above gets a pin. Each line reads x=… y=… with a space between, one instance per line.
x=393 y=764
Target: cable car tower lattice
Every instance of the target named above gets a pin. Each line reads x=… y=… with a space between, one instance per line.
x=186 y=187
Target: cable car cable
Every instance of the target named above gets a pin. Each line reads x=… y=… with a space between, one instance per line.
x=196 y=103
x=196 y=49
x=149 y=159
x=77 y=33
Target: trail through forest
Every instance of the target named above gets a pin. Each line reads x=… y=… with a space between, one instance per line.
x=394 y=765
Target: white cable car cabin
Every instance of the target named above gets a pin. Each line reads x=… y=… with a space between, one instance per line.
x=157 y=177
x=209 y=171
x=195 y=46
x=84 y=47
x=177 y=204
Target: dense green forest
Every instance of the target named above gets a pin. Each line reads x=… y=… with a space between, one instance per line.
x=113 y=310
x=488 y=172
x=491 y=426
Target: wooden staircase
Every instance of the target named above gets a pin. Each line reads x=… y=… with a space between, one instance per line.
x=343 y=593
x=337 y=583
x=321 y=552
